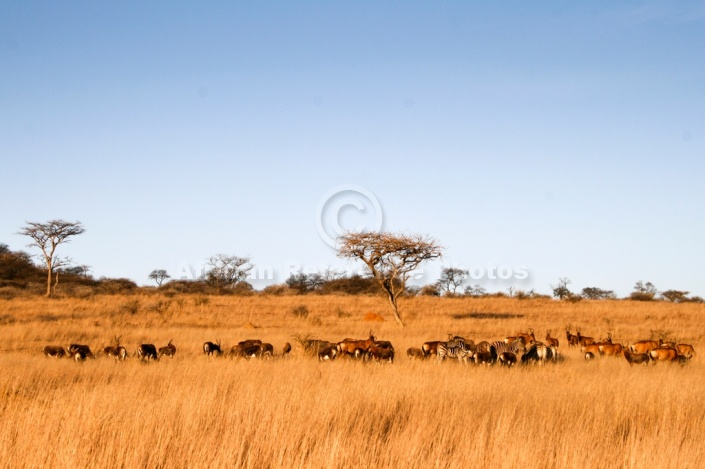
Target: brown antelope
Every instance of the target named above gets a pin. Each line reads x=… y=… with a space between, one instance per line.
x=328 y=353
x=415 y=353
x=430 y=348
x=686 y=350
x=572 y=339
x=507 y=359
x=594 y=349
x=246 y=348
x=637 y=358
x=643 y=346
x=613 y=350
x=483 y=356
x=118 y=352
x=589 y=356
x=529 y=338
x=379 y=354
x=84 y=349
x=56 y=351
x=287 y=349
x=209 y=348
x=664 y=354
x=146 y=352
x=551 y=341
x=349 y=346
x=169 y=350
x=583 y=341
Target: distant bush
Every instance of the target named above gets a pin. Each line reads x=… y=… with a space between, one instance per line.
x=430 y=290
x=130 y=307
x=114 y=286
x=279 y=289
x=300 y=311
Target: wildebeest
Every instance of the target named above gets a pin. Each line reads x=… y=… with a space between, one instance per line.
x=210 y=348
x=415 y=353
x=56 y=351
x=637 y=358
x=84 y=349
x=169 y=350
x=146 y=352
x=507 y=359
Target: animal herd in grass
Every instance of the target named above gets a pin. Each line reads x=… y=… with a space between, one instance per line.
x=520 y=348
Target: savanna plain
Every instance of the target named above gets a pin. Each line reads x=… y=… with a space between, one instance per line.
x=193 y=411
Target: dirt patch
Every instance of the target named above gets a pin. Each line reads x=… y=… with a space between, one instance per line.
x=485 y=315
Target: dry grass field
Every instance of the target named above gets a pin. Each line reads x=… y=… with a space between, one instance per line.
x=193 y=412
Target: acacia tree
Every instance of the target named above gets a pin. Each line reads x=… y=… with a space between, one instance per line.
x=47 y=237
x=227 y=271
x=159 y=275
x=451 y=279
x=390 y=259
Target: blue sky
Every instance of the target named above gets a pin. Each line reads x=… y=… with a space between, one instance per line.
x=564 y=139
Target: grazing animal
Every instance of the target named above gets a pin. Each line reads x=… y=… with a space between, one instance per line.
x=551 y=341
x=266 y=350
x=112 y=350
x=379 y=354
x=637 y=358
x=529 y=338
x=84 y=349
x=169 y=350
x=613 y=350
x=56 y=351
x=328 y=353
x=348 y=346
x=644 y=346
x=430 y=348
x=507 y=359
x=209 y=348
x=245 y=348
x=453 y=349
x=79 y=355
x=415 y=353
x=146 y=352
x=664 y=354
x=572 y=339
x=686 y=350
x=287 y=349
x=592 y=348
x=539 y=353
x=589 y=356
x=483 y=356
x=583 y=340
x=518 y=347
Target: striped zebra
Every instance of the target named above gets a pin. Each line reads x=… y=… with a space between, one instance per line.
x=517 y=347
x=455 y=348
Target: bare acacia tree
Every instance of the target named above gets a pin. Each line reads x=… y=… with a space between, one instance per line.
x=390 y=259
x=159 y=275
x=451 y=279
x=227 y=271
x=47 y=237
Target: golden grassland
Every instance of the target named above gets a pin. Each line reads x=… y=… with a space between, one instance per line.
x=194 y=412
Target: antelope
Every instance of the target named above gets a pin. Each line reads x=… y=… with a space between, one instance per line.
x=661 y=343
x=686 y=350
x=571 y=338
x=246 y=348
x=349 y=346
x=84 y=349
x=79 y=355
x=613 y=350
x=146 y=352
x=430 y=348
x=328 y=353
x=594 y=349
x=209 y=348
x=377 y=353
x=507 y=359
x=528 y=338
x=56 y=351
x=415 y=353
x=644 y=346
x=538 y=353
x=664 y=354
x=551 y=341
x=637 y=358
x=169 y=350
x=483 y=356
x=583 y=341
x=589 y=356
x=116 y=351
x=287 y=349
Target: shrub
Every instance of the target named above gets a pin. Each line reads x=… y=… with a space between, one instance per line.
x=300 y=311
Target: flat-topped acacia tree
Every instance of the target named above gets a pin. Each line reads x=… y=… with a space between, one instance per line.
x=390 y=258
x=47 y=237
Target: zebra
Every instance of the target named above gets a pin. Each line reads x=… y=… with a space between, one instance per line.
x=455 y=348
x=517 y=347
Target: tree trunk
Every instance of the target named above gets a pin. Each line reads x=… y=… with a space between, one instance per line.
x=49 y=282
x=395 y=310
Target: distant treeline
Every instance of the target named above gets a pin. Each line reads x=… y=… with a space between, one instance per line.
x=20 y=275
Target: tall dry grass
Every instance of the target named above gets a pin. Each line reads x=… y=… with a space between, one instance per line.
x=197 y=412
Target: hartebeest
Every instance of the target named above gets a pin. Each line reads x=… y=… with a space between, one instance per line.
x=571 y=338
x=168 y=351
x=551 y=341
x=84 y=350
x=328 y=353
x=117 y=351
x=377 y=353
x=55 y=351
x=350 y=346
x=686 y=350
x=147 y=352
x=415 y=353
x=287 y=349
x=644 y=346
x=583 y=340
x=637 y=358
x=663 y=354
x=613 y=350
x=430 y=348
x=210 y=348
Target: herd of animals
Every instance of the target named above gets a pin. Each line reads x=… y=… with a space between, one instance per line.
x=520 y=348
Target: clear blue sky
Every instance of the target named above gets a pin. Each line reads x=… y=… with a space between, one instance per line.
x=564 y=138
